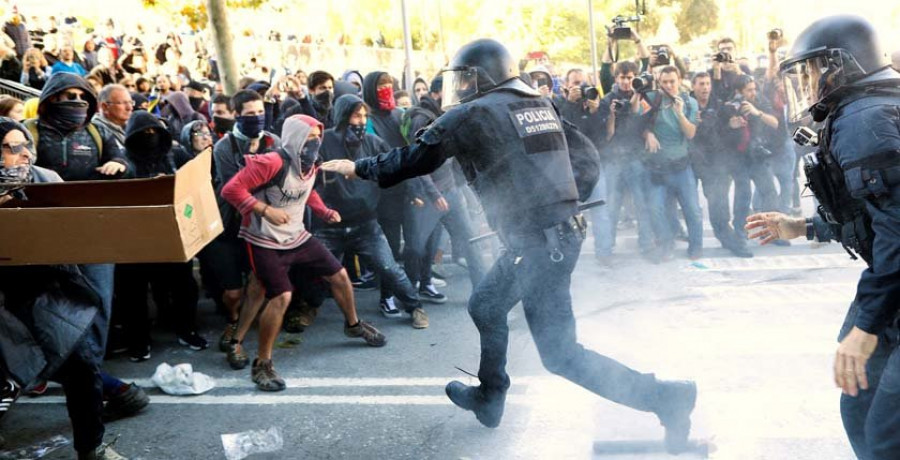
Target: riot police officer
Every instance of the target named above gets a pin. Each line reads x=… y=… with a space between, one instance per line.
x=514 y=151
x=837 y=74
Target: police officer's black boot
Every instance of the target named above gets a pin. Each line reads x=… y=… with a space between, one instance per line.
x=487 y=406
x=676 y=401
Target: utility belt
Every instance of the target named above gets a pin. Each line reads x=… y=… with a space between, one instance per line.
x=551 y=237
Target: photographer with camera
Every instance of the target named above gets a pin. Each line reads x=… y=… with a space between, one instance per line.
x=581 y=106
x=607 y=80
x=712 y=164
x=623 y=170
x=670 y=121
x=725 y=69
x=752 y=135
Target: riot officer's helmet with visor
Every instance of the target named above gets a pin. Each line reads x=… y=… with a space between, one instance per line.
x=813 y=76
x=460 y=84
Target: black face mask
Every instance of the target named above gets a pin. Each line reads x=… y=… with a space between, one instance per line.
x=67 y=116
x=251 y=125
x=355 y=135
x=223 y=125
x=309 y=155
x=147 y=146
x=196 y=102
x=324 y=99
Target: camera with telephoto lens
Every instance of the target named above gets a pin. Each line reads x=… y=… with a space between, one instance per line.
x=589 y=92
x=643 y=82
x=775 y=34
x=620 y=31
x=662 y=55
x=723 y=57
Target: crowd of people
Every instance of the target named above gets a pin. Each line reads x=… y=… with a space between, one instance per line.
x=116 y=108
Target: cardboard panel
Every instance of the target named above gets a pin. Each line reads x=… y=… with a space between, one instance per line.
x=189 y=177
x=89 y=235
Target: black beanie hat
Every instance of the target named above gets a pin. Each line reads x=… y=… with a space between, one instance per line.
x=8 y=124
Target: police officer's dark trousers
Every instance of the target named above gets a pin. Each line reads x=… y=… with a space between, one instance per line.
x=872 y=419
x=526 y=272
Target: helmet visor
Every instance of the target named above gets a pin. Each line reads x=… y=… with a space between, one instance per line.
x=810 y=79
x=459 y=85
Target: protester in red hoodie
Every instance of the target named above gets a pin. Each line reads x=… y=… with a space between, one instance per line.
x=271 y=193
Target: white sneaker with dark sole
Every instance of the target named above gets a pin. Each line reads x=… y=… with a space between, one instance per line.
x=389 y=308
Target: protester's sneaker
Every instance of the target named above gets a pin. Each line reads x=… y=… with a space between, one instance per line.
x=389 y=308
x=488 y=409
x=438 y=282
x=265 y=377
x=9 y=392
x=37 y=389
x=307 y=315
x=430 y=294
x=419 y=318
x=139 y=354
x=130 y=400
x=438 y=271
x=236 y=357
x=193 y=340
x=366 y=282
x=677 y=399
x=230 y=331
x=104 y=452
x=367 y=332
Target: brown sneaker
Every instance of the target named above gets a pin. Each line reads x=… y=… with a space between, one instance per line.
x=265 y=377
x=225 y=340
x=419 y=318
x=236 y=357
x=368 y=333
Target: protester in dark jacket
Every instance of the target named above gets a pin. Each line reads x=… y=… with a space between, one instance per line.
x=149 y=146
x=64 y=141
x=358 y=231
x=178 y=112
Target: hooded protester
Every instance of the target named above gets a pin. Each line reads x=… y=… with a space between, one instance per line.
x=178 y=112
x=66 y=141
x=55 y=319
x=149 y=146
x=354 y=78
x=420 y=89
x=271 y=193
x=359 y=232
x=384 y=121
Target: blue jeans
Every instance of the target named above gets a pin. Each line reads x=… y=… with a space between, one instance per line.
x=684 y=186
x=368 y=241
x=872 y=419
x=757 y=170
x=526 y=272
x=716 y=180
x=784 y=166
x=102 y=279
x=620 y=174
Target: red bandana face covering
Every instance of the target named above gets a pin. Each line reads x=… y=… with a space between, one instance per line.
x=386 y=98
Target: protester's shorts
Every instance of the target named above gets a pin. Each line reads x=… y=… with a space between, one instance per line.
x=227 y=258
x=272 y=267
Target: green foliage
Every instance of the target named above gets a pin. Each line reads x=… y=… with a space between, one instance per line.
x=697 y=18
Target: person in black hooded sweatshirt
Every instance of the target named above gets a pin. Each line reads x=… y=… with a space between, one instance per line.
x=149 y=146
x=384 y=120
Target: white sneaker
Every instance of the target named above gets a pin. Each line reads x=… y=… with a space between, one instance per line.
x=437 y=282
x=389 y=308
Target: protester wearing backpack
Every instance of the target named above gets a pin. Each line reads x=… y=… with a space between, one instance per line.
x=65 y=139
x=271 y=192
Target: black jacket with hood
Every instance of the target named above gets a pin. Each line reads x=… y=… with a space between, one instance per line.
x=355 y=200
x=179 y=113
x=150 y=160
x=75 y=155
x=385 y=123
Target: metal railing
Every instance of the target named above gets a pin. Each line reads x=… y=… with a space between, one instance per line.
x=18 y=90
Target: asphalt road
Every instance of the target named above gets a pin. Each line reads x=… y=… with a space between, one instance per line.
x=756 y=335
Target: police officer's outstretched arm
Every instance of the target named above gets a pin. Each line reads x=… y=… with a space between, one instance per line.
x=424 y=156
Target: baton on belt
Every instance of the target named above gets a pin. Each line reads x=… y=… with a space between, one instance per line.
x=581 y=207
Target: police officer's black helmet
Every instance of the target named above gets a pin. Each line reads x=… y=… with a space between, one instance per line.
x=477 y=68
x=829 y=55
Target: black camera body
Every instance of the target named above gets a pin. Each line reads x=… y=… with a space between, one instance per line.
x=589 y=92
x=622 y=105
x=643 y=82
x=723 y=57
x=620 y=30
x=662 y=55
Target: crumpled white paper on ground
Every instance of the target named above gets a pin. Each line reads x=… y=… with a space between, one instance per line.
x=182 y=380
